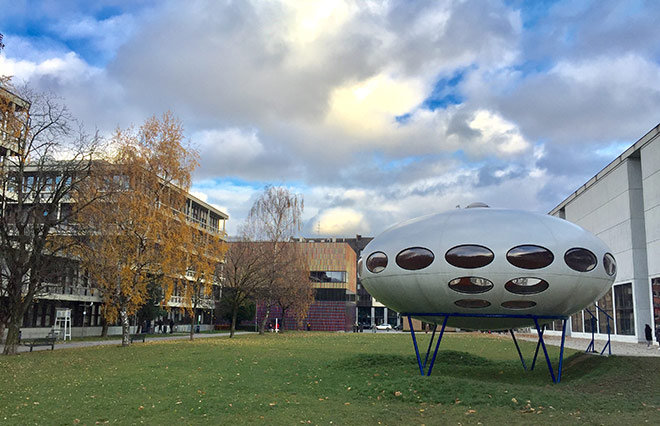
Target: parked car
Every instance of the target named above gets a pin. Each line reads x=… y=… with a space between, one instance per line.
x=384 y=327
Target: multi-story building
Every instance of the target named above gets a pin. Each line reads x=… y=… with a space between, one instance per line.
x=68 y=286
x=621 y=205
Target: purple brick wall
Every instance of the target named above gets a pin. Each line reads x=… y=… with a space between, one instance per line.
x=322 y=316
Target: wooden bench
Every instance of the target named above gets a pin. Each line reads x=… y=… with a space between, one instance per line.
x=40 y=341
x=140 y=336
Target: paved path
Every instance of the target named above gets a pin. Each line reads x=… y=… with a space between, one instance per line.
x=618 y=348
x=87 y=343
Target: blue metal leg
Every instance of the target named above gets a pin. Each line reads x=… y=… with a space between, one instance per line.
x=412 y=333
x=437 y=345
x=538 y=345
x=428 y=350
x=518 y=348
x=545 y=350
x=607 y=345
x=561 y=351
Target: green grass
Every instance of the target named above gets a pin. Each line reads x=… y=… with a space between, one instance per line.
x=322 y=378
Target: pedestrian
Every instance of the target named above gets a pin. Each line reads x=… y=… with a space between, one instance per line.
x=160 y=325
x=649 y=338
x=171 y=325
x=309 y=326
x=657 y=336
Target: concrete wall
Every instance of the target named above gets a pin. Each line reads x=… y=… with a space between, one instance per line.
x=613 y=209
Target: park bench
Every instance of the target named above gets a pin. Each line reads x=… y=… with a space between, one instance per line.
x=140 y=336
x=40 y=341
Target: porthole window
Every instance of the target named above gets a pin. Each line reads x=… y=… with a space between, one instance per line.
x=610 y=264
x=469 y=256
x=518 y=304
x=580 y=259
x=530 y=257
x=471 y=285
x=359 y=265
x=526 y=285
x=414 y=258
x=472 y=303
x=376 y=262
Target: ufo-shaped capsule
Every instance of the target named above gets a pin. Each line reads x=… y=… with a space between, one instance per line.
x=487 y=261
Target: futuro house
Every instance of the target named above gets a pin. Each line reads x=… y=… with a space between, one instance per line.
x=485 y=261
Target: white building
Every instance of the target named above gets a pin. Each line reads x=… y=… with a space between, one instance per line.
x=621 y=205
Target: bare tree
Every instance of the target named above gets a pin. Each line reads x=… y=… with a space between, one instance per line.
x=46 y=160
x=242 y=276
x=294 y=293
x=274 y=219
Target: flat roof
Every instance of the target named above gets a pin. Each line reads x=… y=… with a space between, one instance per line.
x=633 y=149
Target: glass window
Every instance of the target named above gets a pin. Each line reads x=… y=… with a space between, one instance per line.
x=576 y=322
x=655 y=286
x=469 y=256
x=472 y=303
x=530 y=257
x=414 y=258
x=327 y=276
x=526 y=285
x=623 y=300
x=590 y=323
x=471 y=285
x=580 y=259
x=610 y=264
x=376 y=262
x=518 y=304
x=605 y=303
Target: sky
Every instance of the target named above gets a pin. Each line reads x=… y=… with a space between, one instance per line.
x=374 y=111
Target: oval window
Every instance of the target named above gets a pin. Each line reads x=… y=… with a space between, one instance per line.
x=610 y=264
x=518 y=304
x=526 y=285
x=414 y=258
x=376 y=262
x=580 y=259
x=471 y=285
x=359 y=265
x=472 y=303
x=530 y=257
x=469 y=256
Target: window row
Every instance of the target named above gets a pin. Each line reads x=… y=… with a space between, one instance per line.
x=481 y=303
x=476 y=285
x=472 y=256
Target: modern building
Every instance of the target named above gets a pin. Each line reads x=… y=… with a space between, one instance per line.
x=68 y=287
x=333 y=276
x=621 y=205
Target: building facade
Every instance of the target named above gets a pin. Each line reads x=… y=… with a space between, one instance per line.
x=68 y=286
x=621 y=205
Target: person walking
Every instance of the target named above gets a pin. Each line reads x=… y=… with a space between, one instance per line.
x=657 y=336
x=649 y=336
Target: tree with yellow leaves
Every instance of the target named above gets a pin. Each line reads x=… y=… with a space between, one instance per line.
x=141 y=223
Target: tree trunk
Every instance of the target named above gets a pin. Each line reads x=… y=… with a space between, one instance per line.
x=2 y=331
x=193 y=321
x=104 y=329
x=232 y=329
x=282 y=322
x=264 y=321
x=125 y=326
x=11 y=344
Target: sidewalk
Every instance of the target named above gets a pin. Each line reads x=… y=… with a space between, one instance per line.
x=618 y=348
x=117 y=342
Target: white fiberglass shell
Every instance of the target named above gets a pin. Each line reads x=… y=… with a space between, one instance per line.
x=428 y=290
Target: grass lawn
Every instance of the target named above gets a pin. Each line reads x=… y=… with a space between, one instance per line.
x=323 y=378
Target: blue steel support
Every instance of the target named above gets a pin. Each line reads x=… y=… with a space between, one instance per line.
x=607 y=345
x=518 y=348
x=561 y=351
x=412 y=333
x=428 y=350
x=538 y=345
x=545 y=350
x=437 y=345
